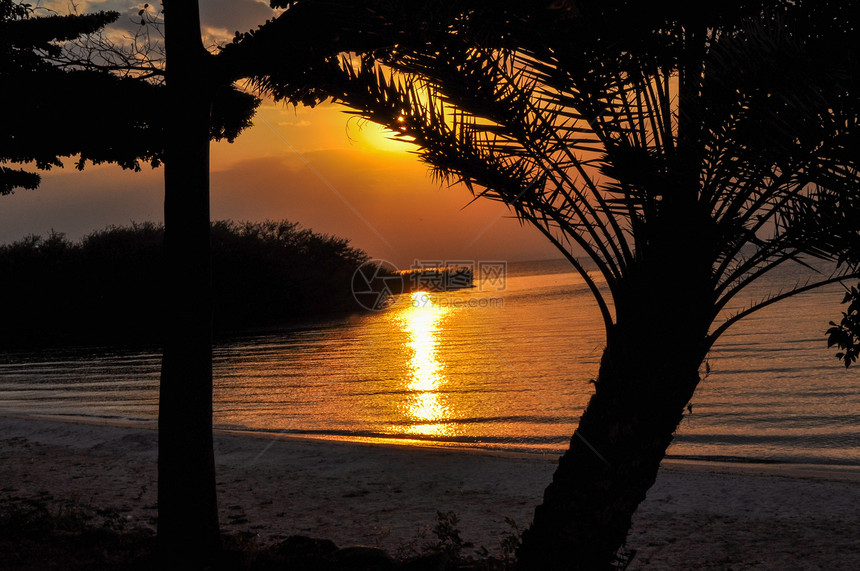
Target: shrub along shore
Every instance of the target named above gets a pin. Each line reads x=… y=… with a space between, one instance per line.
x=106 y=287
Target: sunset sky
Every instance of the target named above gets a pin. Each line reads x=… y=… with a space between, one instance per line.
x=318 y=167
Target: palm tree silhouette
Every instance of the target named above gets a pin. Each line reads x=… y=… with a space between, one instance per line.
x=688 y=152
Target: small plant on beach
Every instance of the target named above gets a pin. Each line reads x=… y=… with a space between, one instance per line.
x=447 y=532
x=112 y=519
x=40 y=534
x=451 y=543
x=40 y=516
x=510 y=541
x=407 y=549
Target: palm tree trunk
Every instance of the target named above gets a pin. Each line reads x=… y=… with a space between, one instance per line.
x=613 y=456
x=188 y=531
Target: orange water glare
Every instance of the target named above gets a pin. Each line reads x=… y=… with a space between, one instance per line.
x=425 y=407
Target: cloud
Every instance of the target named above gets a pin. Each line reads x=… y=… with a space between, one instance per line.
x=219 y=19
x=234 y=15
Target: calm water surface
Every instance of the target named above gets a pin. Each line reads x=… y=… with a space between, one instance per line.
x=482 y=368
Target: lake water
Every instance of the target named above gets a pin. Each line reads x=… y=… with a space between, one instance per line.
x=498 y=366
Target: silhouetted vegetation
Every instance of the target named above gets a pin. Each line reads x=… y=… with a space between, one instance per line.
x=39 y=131
x=124 y=104
x=107 y=287
x=687 y=152
x=846 y=334
x=36 y=535
x=275 y=272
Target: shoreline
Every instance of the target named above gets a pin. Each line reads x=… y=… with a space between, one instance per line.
x=698 y=515
x=788 y=468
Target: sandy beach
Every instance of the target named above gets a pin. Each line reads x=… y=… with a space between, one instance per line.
x=699 y=515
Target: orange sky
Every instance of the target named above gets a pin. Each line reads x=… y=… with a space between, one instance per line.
x=316 y=166
x=313 y=166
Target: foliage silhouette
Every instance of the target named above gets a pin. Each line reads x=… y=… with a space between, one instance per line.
x=846 y=334
x=700 y=161
x=100 y=117
x=166 y=111
x=284 y=274
x=106 y=288
x=688 y=151
x=22 y=41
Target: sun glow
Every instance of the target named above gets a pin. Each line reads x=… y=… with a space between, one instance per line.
x=420 y=321
x=378 y=138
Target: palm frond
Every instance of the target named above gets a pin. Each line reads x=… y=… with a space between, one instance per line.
x=717 y=136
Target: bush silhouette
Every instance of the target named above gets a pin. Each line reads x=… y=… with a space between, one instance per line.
x=106 y=288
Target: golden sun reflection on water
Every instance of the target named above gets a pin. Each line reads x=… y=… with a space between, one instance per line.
x=420 y=321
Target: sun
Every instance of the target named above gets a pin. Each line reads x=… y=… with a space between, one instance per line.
x=372 y=136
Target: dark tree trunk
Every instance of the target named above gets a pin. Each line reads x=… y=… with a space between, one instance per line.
x=648 y=372
x=647 y=376
x=188 y=532
x=612 y=461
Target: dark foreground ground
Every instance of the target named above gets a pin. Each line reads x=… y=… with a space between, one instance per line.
x=83 y=496
x=34 y=536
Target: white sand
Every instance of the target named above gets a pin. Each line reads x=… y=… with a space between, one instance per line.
x=697 y=516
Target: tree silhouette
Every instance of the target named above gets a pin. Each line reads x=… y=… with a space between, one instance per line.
x=122 y=107
x=62 y=103
x=200 y=102
x=196 y=81
x=188 y=531
x=687 y=151
x=112 y=111
x=38 y=126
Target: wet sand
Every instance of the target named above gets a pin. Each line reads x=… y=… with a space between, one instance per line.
x=699 y=515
